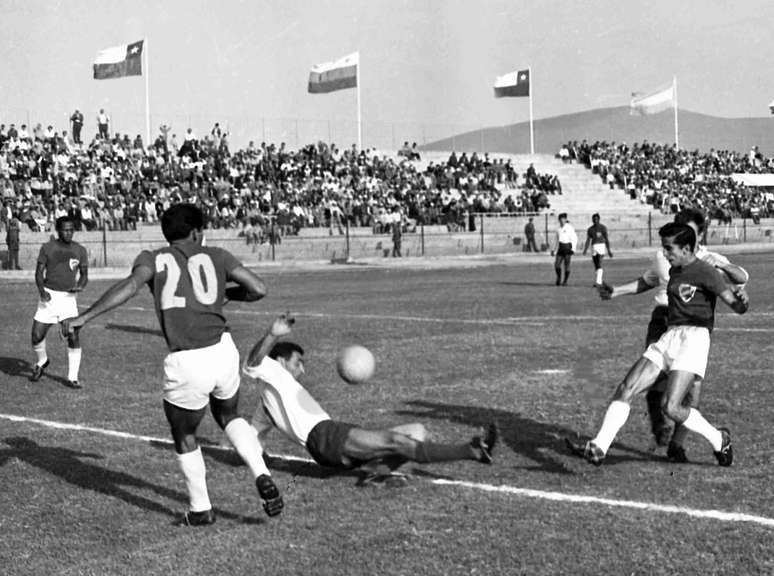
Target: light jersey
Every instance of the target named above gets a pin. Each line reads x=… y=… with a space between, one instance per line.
x=693 y=290
x=566 y=235
x=658 y=273
x=188 y=287
x=597 y=233
x=62 y=262
x=291 y=408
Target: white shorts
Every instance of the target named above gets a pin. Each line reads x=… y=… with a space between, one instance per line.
x=61 y=306
x=598 y=250
x=192 y=376
x=681 y=348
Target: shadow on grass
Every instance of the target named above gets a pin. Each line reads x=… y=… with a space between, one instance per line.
x=19 y=367
x=541 y=442
x=134 y=329
x=70 y=466
x=15 y=366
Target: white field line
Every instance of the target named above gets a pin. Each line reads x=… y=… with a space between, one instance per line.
x=506 y=321
x=718 y=515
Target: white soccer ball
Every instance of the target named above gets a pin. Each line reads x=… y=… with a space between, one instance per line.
x=355 y=364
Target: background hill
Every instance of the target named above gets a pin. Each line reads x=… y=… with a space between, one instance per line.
x=696 y=131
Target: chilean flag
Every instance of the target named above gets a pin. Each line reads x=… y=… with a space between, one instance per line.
x=514 y=84
x=119 y=61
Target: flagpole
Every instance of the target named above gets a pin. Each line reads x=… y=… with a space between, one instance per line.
x=531 y=126
x=677 y=133
x=147 y=96
x=359 y=118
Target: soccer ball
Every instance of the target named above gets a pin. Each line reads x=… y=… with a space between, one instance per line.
x=355 y=364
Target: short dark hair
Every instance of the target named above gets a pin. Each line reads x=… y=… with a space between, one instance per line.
x=179 y=220
x=681 y=234
x=595 y=215
x=563 y=215
x=694 y=215
x=285 y=350
x=61 y=221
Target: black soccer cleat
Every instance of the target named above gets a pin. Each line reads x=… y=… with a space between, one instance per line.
x=676 y=453
x=486 y=445
x=586 y=450
x=74 y=384
x=37 y=371
x=267 y=490
x=203 y=518
x=662 y=433
x=725 y=456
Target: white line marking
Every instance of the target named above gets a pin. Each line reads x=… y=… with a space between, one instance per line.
x=501 y=489
x=580 y=499
x=551 y=371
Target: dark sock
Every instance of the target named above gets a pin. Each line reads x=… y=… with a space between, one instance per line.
x=657 y=420
x=558 y=275
x=566 y=276
x=432 y=452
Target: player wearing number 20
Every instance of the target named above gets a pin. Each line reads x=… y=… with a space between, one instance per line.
x=188 y=283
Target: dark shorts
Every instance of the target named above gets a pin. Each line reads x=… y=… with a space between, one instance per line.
x=564 y=250
x=657 y=325
x=326 y=444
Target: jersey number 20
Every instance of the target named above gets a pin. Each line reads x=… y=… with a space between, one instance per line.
x=205 y=292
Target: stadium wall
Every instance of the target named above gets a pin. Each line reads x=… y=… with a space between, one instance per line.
x=500 y=235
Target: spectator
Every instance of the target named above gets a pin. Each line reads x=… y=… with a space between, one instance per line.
x=76 y=123
x=12 y=242
x=103 y=124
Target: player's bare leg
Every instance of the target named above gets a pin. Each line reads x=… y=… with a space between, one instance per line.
x=183 y=424
x=676 y=448
x=371 y=444
x=640 y=377
x=244 y=439
x=679 y=385
x=38 y=339
x=384 y=469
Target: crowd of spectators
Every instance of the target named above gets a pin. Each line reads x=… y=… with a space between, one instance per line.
x=670 y=178
x=119 y=182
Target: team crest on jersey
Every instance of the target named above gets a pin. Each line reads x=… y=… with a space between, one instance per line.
x=686 y=291
x=74 y=263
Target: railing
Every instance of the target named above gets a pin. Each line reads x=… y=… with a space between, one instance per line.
x=477 y=234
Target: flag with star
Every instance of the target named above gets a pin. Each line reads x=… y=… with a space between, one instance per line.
x=119 y=61
x=514 y=84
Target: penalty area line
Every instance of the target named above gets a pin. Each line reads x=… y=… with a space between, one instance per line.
x=718 y=515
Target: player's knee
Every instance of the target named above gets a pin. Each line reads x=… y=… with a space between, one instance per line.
x=673 y=407
x=416 y=431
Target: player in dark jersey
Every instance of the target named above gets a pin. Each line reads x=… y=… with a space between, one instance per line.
x=62 y=271
x=188 y=283
x=287 y=405
x=681 y=352
x=596 y=237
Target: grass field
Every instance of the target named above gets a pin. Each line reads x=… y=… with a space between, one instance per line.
x=456 y=348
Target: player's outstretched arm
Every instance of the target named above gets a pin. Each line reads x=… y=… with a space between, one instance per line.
x=607 y=292
x=282 y=326
x=736 y=274
x=736 y=299
x=116 y=295
x=250 y=289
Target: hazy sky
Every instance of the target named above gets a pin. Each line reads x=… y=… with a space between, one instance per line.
x=430 y=63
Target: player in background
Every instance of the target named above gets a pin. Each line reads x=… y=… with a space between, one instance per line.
x=681 y=352
x=287 y=405
x=657 y=276
x=188 y=283
x=61 y=272
x=566 y=241
x=596 y=237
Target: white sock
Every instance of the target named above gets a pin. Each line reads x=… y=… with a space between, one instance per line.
x=73 y=363
x=599 y=275
x=615 y=417
x=245 y=441
x=697 y=423
x=40 y=352
x=195 y=473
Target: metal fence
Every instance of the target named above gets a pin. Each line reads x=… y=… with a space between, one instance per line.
x=480 y=234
